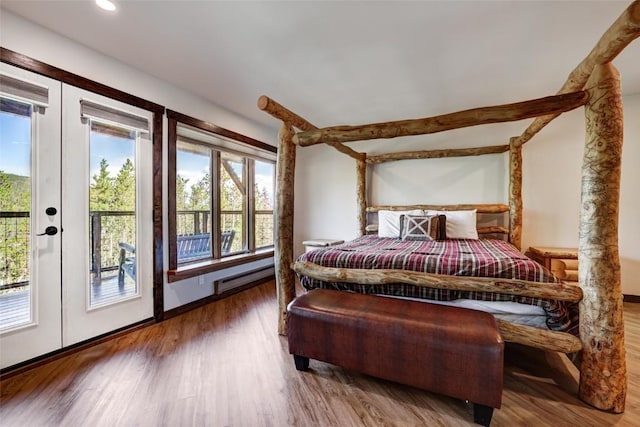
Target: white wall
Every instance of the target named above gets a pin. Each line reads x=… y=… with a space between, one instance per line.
x=552 y=161
x=325 y=198
x=29 y=39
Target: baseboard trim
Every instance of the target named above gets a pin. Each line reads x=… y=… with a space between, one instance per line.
x=631 y=298
x=212 y=298
x=74 y=348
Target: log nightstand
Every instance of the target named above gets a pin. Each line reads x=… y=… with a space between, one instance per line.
x=563 y=262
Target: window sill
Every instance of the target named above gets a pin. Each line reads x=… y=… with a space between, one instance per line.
x=199 y=268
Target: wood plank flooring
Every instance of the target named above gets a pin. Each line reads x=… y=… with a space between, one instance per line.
x=225 y=365
x=15 y=304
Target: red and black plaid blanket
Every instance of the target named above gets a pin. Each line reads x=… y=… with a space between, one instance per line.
x=458 y=257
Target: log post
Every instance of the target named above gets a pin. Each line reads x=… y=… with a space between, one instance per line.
x=361 y=189
x=515 y=194
x=283 y=254
x=603 y=373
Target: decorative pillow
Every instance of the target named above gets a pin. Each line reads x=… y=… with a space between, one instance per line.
x=460 y=224
x=389 y=221
x=422 y=227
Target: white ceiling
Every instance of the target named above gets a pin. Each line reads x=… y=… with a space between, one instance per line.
x=348 y=62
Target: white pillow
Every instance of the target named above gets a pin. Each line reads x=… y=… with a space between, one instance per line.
x=460 y=224
x=389 y=222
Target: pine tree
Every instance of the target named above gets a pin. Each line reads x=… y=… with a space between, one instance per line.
x=182 y=194
x=102 y=189
x=201 y=194
x=125 y=188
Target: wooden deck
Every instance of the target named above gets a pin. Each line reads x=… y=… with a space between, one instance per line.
x=14 y=304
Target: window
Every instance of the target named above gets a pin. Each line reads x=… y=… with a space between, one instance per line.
x=221 y=195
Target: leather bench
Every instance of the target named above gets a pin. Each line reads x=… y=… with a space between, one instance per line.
x=448 y=350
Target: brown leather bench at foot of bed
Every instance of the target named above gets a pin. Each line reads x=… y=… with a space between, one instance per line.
x=449 y=350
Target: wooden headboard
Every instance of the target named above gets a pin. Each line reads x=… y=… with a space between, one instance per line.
x=492 y=219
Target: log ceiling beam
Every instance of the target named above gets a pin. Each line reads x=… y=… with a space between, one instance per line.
x=461 y=119
x=280 y=112
x=622 y=32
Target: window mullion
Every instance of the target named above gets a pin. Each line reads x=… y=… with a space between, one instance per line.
x=250 y=173
x=216 y=213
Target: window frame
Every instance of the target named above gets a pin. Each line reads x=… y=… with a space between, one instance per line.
x=183 y=271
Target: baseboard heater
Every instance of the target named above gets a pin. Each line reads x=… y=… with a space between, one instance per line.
x=231 y=282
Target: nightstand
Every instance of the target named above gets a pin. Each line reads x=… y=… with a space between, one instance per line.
x=563 y=262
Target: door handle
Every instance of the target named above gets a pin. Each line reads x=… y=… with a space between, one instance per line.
x=49 y=231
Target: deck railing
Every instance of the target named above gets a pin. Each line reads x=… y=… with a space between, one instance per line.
x=14 y=249
x=107 y=229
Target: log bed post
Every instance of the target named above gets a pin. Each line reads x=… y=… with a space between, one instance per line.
x=515 y=194
x=361 y=189
x=283 y=254
x=603 y=373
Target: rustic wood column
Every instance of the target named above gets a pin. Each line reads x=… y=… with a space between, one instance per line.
x=603 y=372
x=361 y=190
x=283 y=254
x=515 y=194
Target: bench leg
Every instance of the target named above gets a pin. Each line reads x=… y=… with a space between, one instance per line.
x=302 y=363
x=482 y=414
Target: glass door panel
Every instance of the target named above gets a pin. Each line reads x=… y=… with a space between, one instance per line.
x=112 y=215
x=16 y=299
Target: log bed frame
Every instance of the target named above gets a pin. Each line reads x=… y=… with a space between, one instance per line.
x=594 y=83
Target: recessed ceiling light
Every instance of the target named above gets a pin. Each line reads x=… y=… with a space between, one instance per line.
x=106 y=5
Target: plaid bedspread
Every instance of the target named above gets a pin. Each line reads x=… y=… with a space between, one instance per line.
x=458 y=257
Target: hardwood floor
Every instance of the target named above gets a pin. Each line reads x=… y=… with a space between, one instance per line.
x=225 y=365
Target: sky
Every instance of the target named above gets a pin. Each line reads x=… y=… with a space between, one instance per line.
x=15 y=135
x=15 y=147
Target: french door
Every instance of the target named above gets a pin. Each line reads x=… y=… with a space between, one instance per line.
x=107 y=215
x=78 y=203
x=30 y=268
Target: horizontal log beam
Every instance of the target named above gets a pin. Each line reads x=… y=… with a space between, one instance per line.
x=493 y=230
x=348 y=151
x=481 y=230
x=623 y=31
x=554 y=291
x=477 y=116
x=437 y=154
x=544 y=339
x=276 y=110
x=280 y=112
x=481 y=208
